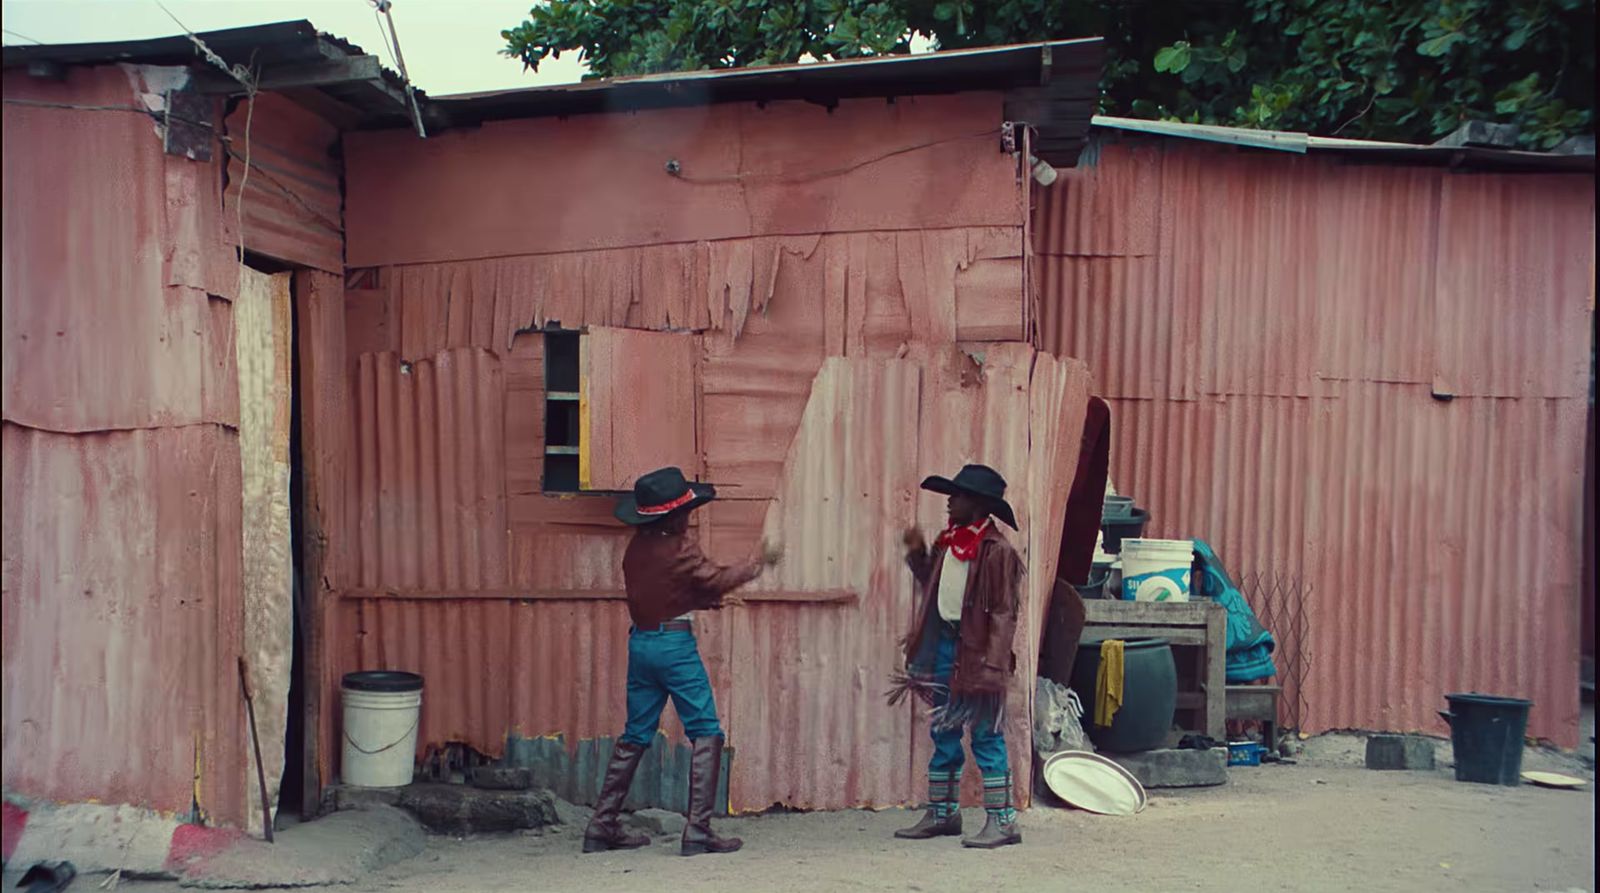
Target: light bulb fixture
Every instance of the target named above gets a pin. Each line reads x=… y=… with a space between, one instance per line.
x=1043 y=173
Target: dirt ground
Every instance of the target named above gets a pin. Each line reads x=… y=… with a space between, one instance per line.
x=1323 y=824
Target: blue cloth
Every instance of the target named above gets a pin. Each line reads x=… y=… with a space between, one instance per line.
x=988 y=742
x=1250 y=645
x=662 y=665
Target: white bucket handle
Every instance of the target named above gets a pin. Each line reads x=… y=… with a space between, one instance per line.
x=388 y=746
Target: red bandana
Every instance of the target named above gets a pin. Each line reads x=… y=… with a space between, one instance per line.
x=963 y=541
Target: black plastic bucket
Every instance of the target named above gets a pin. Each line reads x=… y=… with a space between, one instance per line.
x=1149 y=695
x=1486 y=733
x=1117 y=530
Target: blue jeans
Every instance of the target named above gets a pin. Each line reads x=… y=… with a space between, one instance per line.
x=988 y=743
x=663 y=664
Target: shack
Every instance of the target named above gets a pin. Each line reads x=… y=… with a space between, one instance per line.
x=383 y=435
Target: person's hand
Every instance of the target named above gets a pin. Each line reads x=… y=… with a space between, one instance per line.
x=771 y=553
x=913 y=540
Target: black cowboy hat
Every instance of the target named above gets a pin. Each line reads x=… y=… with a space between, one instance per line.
x=981 y=482
x=660 y=493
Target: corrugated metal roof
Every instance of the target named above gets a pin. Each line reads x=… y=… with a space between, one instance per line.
x=1371 y=150
x=1271 y=332
x=1053 y=84
x=278 y=51
x=1071 y=62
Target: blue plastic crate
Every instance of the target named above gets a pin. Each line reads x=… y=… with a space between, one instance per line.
x=1245 y=753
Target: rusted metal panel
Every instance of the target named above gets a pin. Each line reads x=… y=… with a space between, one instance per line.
x=1516 y=285
x=122 y=612
x=122 y=492
x=107 y=323
x=430 y=471
x=637 y=405
x=1271 y=346
x=743 y=174
x=292 y=205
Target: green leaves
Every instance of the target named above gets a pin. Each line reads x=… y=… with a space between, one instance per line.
x=1173 y=59
x=1408 y=70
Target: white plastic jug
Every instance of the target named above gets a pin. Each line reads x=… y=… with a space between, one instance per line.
x=382 y=709
x=1156 y=570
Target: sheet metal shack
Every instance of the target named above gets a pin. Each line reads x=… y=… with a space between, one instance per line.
x=807 y=284
x=1365 y=367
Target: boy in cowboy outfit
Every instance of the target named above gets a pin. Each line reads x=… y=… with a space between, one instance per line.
x=958 y=653
x=667 y=577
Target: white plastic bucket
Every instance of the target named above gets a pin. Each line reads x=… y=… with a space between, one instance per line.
x=381 y=712
x=1156 y=570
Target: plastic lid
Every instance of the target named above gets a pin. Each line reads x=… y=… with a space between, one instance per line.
x=383 y=681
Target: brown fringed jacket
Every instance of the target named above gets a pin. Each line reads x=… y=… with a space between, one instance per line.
x=984 y=659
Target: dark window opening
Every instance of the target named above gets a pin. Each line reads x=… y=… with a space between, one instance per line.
x=562 y=432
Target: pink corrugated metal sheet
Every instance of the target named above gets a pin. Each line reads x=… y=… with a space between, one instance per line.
x=122 y=606
x=810 y=729
x=783 y=168
x=431 y=472
x=1270 y=330
x=107 y=323
x=293 y=204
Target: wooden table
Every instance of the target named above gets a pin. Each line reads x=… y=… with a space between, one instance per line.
x=1201 y=623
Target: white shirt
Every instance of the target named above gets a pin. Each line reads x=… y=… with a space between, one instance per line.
x=952 y=586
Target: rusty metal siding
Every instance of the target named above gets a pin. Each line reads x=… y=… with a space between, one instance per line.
x=293 y=207
x=116 y=547
x=122 y=492
x=1271 y=344
x=107 y=322
x=784 y=168
x=431 y=472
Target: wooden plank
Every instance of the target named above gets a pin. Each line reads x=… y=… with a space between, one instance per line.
x=262 y=314
x=1177 y=635
x=324 y=391
x=1253 y=701
x=1164 y=613
x=1216 y=686
x=811 y=597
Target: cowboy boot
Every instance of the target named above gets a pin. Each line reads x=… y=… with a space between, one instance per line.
x=997 y=832
x=1001 y=828
x=605 y=831
x=704 y=768
x=931 y=825
x=943 y=818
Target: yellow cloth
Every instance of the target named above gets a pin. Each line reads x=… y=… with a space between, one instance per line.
x=1108 y=683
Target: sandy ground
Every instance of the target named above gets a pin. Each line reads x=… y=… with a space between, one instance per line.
x=1324 y=824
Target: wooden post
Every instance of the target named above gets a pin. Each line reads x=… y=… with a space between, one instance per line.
x=1216 y=671
x=324 y=390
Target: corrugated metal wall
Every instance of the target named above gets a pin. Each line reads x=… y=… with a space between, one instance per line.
x=1371 y=378
x=293 y=206
x=824 y=364
x=122 y=601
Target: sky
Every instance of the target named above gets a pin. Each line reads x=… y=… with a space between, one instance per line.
x=451 y=46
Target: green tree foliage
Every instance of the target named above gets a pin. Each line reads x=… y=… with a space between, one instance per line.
x=1410 y=70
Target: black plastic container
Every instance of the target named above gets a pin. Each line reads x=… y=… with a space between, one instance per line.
x=1486 y=733
x=1116 y=531
x=1149 y=695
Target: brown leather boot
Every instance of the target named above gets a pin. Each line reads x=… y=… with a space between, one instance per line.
x=932 y=825
x=605 y=831
x=704 y=768
x=996 y=833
